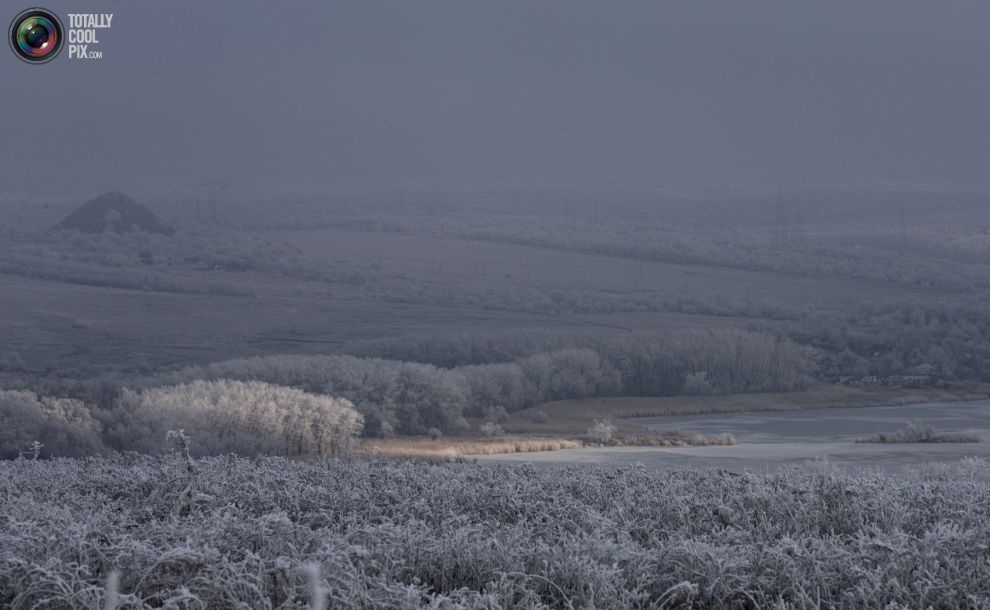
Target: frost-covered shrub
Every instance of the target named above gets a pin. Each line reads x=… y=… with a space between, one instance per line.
x=63 y=426
x=696 y=384
x=496 y=414
x=226 y=416
x=490 y=429
x=11 y=361
x=601 y=432
x=498 y=384
x=569 y=373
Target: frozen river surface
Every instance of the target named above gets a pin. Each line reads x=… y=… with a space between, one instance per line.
x=773 y=439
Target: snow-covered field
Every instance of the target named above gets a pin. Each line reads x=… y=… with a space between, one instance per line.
x=135 y=531
x=773 y=439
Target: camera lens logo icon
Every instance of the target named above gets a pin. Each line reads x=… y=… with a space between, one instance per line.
x=36 y=35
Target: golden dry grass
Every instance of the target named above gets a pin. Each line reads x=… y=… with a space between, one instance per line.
x=445 y=450
x=456 y=449
x=674 y=439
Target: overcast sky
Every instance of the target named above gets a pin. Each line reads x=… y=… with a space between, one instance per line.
x=641 y=92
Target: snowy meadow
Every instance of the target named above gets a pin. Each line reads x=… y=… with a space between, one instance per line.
x=133 y=531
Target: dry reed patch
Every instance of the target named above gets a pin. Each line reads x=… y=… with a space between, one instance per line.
x=676 y=439
x=917 y=432
x=455 y=449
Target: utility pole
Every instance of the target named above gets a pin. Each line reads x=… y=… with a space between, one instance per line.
x=780 y=228
x=903 y=229
x=800 y=235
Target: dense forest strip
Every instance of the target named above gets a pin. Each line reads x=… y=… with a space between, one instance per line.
x=572 y=417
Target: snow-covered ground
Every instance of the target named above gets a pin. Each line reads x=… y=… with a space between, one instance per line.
x=772 y=439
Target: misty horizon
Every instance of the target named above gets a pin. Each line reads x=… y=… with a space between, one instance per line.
x=449 y=93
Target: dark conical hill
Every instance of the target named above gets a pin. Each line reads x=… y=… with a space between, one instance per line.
x=115 y=212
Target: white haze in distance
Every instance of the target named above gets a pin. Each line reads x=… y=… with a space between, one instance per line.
x=469 y=93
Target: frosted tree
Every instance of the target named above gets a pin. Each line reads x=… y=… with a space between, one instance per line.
x=63 y=426
x=244 y=417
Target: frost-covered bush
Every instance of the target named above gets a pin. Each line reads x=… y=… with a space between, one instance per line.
x=696 y=384
x=490 y=429
x=601 y=432
x=240 y=417
x=267 y=533
x=569 y=373
x=496 y=414
x=11 y=361
x=63 y=426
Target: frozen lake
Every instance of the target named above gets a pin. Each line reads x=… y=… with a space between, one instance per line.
x=773 y=439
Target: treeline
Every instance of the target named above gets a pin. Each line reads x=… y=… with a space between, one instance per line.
x=878 y=338
x=404 y=397
x=202 y=247
x=411 y=398
x=555 y=301
x=869 y=261
x=132 y=278
x=143 y=261
x=876 y=254
x=888 y=338
x=310 y=404
x=451 y=351
x=147 y=261
x=246 y=418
